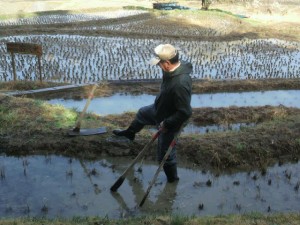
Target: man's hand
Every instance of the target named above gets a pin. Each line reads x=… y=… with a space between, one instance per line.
x=162 y=127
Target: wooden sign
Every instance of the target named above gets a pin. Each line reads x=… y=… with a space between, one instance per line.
x=24 y=48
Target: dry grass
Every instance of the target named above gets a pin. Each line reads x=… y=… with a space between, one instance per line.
x=26 y=6
x=37 y=126
x=25 y=85
x=254 y=218
x=224 y=116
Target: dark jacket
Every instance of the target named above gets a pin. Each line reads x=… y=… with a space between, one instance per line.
x=173 y=104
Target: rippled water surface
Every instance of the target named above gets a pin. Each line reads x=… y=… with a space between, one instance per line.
x=57 y=186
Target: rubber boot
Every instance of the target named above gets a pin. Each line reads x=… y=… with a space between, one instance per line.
x=171 y=173
x=130 y=132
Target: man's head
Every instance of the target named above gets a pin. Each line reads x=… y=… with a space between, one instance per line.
x=166 y=56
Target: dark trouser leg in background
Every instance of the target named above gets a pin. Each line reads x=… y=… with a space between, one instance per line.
x=170 y=166
x=145 y=116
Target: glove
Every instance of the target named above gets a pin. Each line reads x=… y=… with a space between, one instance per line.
x=162 y=127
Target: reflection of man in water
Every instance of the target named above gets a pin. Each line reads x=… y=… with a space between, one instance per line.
x=164 y=200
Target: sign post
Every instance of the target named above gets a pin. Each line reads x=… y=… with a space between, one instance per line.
x=25 y=48
x=13 y=65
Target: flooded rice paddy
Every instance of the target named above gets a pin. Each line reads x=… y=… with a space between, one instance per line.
x=81 y=59
x=55 y=186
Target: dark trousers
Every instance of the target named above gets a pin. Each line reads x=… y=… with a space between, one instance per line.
x=146 y=116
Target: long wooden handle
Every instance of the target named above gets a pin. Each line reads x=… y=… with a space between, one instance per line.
x=121 y=179
x=91 y=95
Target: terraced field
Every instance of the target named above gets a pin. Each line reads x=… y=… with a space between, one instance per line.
x=249 y=45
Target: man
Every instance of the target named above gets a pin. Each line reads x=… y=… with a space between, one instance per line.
x=171 y=108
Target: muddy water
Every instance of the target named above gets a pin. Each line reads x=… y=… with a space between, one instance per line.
x=120 y=103
x=57 y=186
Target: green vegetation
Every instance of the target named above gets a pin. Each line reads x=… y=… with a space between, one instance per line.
x=22 y=114
x=131 y=7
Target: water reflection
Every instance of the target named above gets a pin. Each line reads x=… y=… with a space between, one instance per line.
x=120 y=103
x=57 y=186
